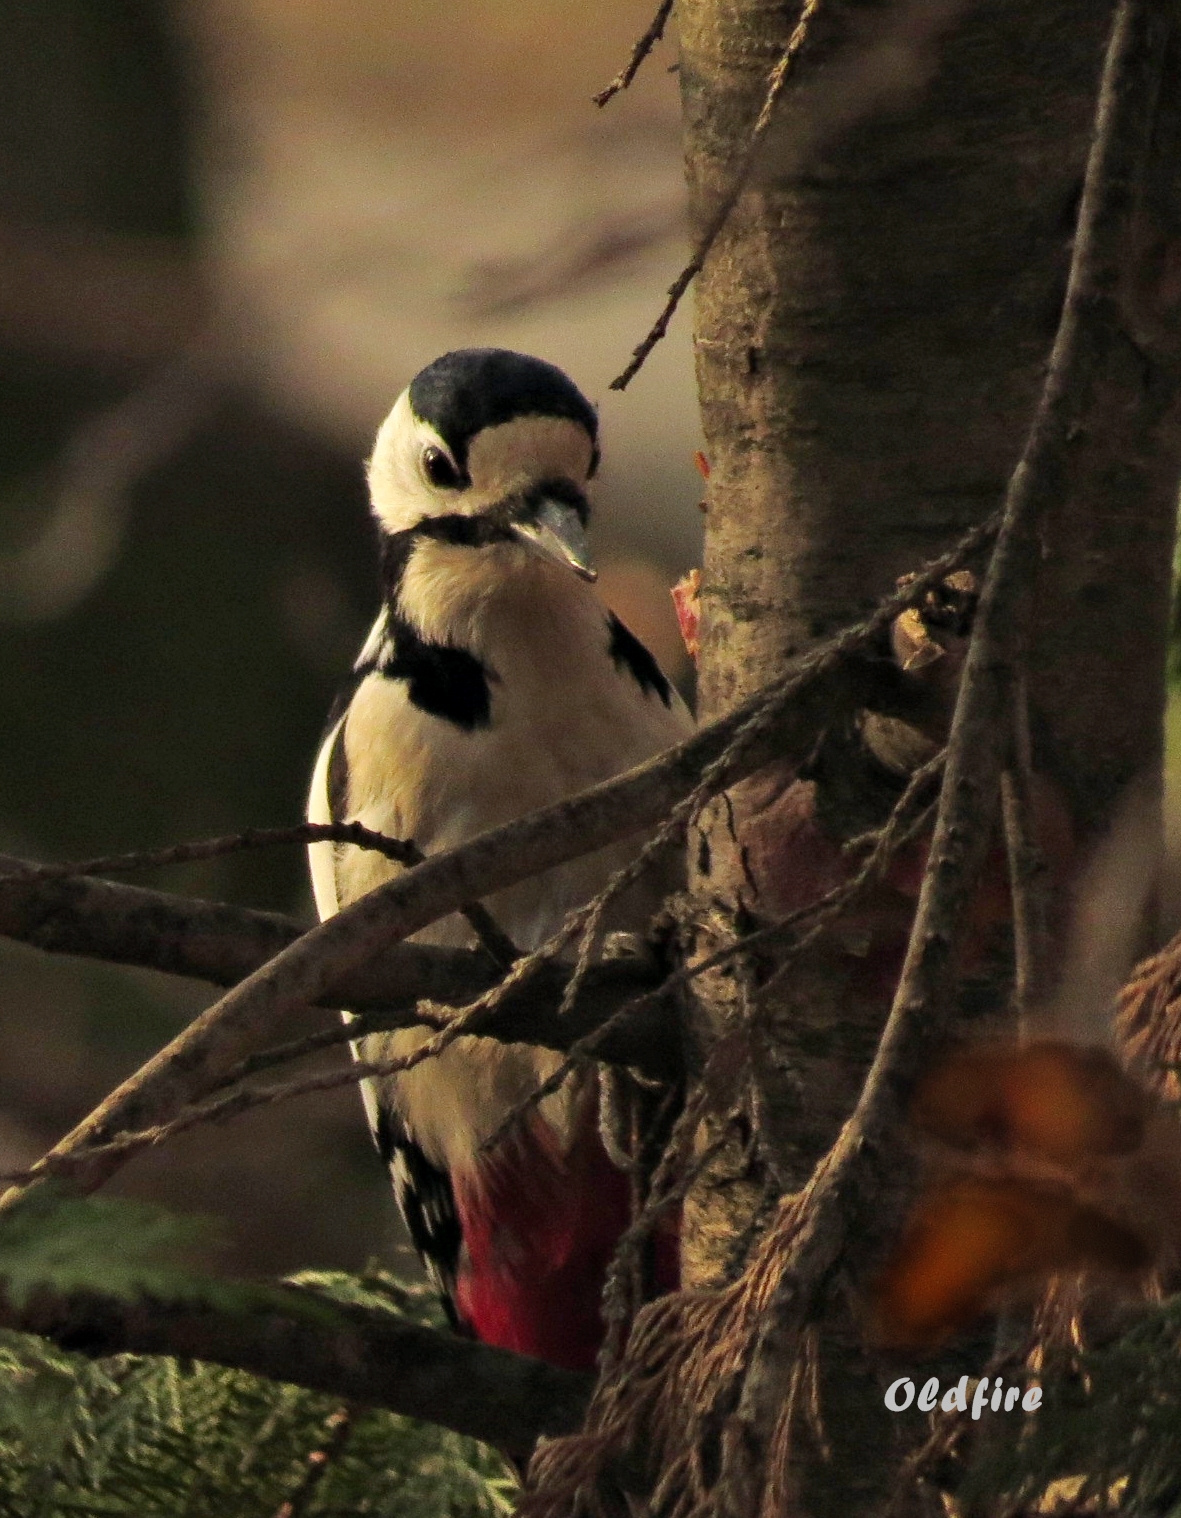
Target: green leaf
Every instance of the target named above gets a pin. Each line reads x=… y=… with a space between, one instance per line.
x=162 y=1438
x=128 y=1250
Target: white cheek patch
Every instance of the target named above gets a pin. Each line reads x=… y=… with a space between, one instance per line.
x=501 y=461
x=398 y=490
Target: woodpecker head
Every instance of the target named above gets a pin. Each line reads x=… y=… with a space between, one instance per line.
x=487 y=447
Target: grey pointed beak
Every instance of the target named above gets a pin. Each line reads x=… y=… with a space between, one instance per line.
x=556 y=531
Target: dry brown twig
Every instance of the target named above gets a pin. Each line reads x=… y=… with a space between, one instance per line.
x=452 y=1025
x=822 y=912
x=492 y=938
x=776 y=81
x=219 y=1109
x=779 y=721
x=587 y=920
x=667 y=1188
x=213 y=923
x=1028 y=883
x=641 y=50
x=338 y=1430
x=213 y=941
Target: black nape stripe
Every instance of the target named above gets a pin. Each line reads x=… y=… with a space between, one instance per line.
x=626 y=650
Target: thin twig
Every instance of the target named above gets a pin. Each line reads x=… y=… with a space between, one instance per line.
x=1028 y=879
x=821 y=913
x=775 y=82
x=314 y=1043
x=493 y=939
x=641 y=50
x=781 y=721
x=894 y=833
x=883 y=843
x=338 y=1431
x=219 y=1109
x=465 y=1022
x=127 y=924
x=401 y=850
x=587 y=919
x=620 y=1304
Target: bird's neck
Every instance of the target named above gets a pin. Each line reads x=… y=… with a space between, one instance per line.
x=472 y=597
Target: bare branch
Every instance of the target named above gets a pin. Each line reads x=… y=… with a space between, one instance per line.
x=404 y=851
x=358 y=1354
x=211 y=941
x=130 y=925
x=898 y=829
x=66 y=1165
x=641 y=50
x=485 y=1013
x=781 y=721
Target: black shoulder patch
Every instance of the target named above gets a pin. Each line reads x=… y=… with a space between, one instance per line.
x=463 y=392
x=626 y=650
x=446 y=682
x=427 y=1204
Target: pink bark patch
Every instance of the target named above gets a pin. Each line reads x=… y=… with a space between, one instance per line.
x=686 y=594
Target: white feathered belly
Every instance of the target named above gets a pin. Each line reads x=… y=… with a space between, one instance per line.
x=419 y=777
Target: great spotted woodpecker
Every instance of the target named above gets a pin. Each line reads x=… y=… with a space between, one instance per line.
x=494 y=681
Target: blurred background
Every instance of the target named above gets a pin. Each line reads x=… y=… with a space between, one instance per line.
x=230 y=232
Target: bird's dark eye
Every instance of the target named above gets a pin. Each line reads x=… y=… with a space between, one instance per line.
x=439 y=469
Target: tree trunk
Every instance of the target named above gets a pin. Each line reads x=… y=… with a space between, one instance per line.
x=871 y=333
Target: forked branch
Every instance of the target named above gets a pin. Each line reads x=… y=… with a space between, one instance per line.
x=780 y=721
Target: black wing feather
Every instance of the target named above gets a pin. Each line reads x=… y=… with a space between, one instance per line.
x=427 y=1204
x=627 y=652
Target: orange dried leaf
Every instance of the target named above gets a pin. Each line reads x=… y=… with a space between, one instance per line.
x=1062 y=1102
x=971 y=1237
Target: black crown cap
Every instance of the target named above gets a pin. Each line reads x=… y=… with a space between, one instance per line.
x=472 y=388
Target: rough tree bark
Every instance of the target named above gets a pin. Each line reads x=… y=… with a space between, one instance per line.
x=872 y=327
